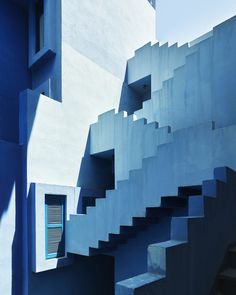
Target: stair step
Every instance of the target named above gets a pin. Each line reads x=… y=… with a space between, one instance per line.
x=190 y=190
x=89 y=202
x=131 y=230
x=173 y=202
x=138 y=281
x=158 y=212
x=97 y=251
x=119 y=238
x=145 y=220
x=196 y=205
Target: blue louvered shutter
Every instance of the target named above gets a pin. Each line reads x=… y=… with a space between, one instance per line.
x=55 y=224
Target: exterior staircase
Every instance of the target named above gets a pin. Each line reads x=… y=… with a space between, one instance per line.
x=145 y=186
x=187 y=263
x=170 y=206
x=184 y=79
x=152 y=160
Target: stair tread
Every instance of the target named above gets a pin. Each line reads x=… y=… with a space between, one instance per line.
x=229 y=273
x=169 y=243
x=190 y=190
x=189 y=217
x=141 y=280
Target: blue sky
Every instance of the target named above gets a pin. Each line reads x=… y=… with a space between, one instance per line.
x=184 y=20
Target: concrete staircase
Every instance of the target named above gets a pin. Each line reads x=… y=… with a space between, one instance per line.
x=187 y=263
x=145 y=186
x=153 y=161
x=170 y=206
x=119 y=132
x=181 y=83
x=165 y=58
x=168 y=103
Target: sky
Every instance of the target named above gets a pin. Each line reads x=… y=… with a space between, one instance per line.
x=185 y=20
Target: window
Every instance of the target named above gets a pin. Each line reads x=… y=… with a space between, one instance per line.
x=55 y=224
x=39 y=25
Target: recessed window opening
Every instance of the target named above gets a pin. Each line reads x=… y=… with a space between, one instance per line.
x=142 y=90
x=55 y=226
x=39 y=25
x=104 y=164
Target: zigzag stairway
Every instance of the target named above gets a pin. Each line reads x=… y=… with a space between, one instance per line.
x=161 y=204
x=202 y=226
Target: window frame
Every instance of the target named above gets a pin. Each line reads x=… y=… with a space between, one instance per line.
x=57 y=225
x=39 y=16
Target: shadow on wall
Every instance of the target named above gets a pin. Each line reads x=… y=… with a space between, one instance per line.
x=87 y=276
x=75 y=278
x=96 y=175
x=133 y=95
x=13 y=194
x=14 y=77
x=9 y=118
x=11 y=202
x=14 y=73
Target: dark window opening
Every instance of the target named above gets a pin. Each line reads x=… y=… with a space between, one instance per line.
x=142 y=90
x=55 y=226
x=133 y=95
x=39 y=25
x=103 y=178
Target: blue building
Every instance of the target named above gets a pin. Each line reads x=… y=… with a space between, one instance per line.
x=117 y=153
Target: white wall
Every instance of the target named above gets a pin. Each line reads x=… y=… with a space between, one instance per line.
x=97 y=39
x=183 y=20
x=107 y=31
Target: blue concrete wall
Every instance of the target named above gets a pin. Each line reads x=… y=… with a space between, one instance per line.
x=45 y=65
x=14 y=74
x=200 y=90
x=11 y=219
x=87 y=276
x=189 y=262
x=136 y=247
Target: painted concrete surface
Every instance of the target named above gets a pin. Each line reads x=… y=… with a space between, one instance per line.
x=182 y=161
x=137 y=257
x=89 y=76
x=45 y=65
x=13 y=59
x=198 y=91
x=157 y=60
x=123 y=134
x=193 y=252
x=11 y=218
x=36 y=197
x=63 y=136
x=87 y=276
x=107 y=32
